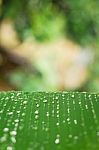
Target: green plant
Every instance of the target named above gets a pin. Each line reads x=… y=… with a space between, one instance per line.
x=44 y=121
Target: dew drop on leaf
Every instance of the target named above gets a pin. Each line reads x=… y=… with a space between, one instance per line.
x=57 y=141
x=13 y=133
x=6 y=129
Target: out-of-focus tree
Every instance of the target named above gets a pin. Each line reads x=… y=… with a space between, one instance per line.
x=45 y=20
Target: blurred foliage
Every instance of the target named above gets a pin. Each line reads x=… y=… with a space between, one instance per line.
x=45 y=20
x=31 y=18
x=30 y=82
x=83 y=19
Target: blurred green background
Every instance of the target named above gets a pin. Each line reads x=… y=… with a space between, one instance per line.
x=49 y=45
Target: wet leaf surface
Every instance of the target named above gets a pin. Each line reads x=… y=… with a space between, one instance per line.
x=45 y=121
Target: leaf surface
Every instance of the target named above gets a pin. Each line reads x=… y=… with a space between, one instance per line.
x=45 y=121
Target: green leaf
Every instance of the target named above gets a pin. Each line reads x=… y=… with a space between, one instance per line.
x=45 y=121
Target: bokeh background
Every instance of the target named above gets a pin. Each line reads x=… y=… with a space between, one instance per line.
x=49 y=45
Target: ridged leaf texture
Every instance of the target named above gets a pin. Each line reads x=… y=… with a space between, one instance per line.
x=45 y=121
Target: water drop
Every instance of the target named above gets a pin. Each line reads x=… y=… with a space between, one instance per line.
x=74 y=102
x=75 y=137
x=57 y=123
x=36 y=116
x=36 y=112
x=18 y=94
x=10 y=113
x=6 y=98
x=17 y=120
x=63 y=95
x=57 y=111
x=70 y=135
x=16 y=125
x=57 y=141
x=5 y=129
x=3 y=139
x=56 y=97
x=13 y=139
x=68 y=119
x=35 y=128
x=75 y=121
x=12 y=96
x=73 y=96
x=47 y=114
x=57 y=115
x=25 y=102
x=1 y=111
x=86 y=106
x=13 y=133
x=64 y=121
x=9 y=148
x=89 y=95
x=46 y=129
x=37 y=105
x=45 y=101
x=18 y=111
x=23 y=114
x=68 y=110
